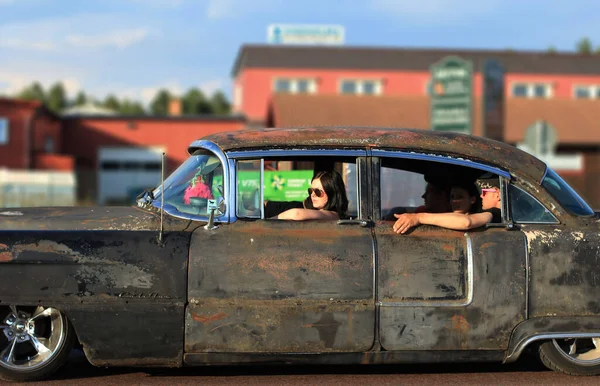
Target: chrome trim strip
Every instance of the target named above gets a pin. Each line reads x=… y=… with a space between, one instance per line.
x=232 y=199
x=527 y=271
x=513 y=356
x=439 y=158
x=544 y=175
x=450 y=303
x=262 y=188
x=212 y=147
x=295 y=153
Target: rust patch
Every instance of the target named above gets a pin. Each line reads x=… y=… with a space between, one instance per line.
x=460 y=324
x=6 y=256
x=209 y=318
x=448 y=247
x=487 y=245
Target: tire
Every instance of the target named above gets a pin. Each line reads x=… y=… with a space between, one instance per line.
x=573 y=356
x=34 y=342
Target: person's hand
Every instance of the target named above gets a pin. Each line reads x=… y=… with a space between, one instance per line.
x=405 y=222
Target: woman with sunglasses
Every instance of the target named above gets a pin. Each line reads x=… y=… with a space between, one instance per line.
x=327 y=194
x=464 y=198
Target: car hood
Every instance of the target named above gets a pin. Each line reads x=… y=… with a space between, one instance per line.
x=78 y=218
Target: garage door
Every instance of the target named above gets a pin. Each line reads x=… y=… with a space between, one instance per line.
x=124 y=172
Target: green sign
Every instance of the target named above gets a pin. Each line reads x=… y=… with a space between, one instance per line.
x=451 y=95
x=285 y=185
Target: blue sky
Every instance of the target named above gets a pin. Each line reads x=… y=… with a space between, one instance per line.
x=133 y=47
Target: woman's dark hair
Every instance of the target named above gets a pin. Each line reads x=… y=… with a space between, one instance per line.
x=333 y=184
x=472 y=190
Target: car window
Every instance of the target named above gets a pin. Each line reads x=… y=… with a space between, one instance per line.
x=400 y=188
x=198 y=180
x=526 y=209
x=565 y=195
x=285 y=184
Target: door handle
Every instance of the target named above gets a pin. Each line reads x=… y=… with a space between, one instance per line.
x=362 y=223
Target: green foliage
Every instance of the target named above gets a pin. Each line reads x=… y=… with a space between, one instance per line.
x=57 y=98
x=551 y=50
x=194 y=102
x=34 y=92
x=111 y=102
x=80 y=99
x=220 y=104
x=584 y=46
x=160 y=103
x=131 y=108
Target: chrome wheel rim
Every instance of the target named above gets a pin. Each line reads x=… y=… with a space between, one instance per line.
x=581 y=351
x=29 y=336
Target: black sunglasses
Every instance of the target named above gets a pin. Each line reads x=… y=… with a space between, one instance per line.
x=318 y=192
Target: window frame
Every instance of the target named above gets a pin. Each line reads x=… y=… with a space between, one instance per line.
x=226 y=165
x=359 y=154
x=530 y=89
x=522 y=190
x=379 y=154
x=359 y=84
x=293 y=82
x=593 y=90
x=4 y=131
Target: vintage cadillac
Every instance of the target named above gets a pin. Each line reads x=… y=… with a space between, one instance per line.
x=185 y=279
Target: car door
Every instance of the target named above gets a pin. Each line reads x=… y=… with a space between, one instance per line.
x=440 y=289
x=260 y=285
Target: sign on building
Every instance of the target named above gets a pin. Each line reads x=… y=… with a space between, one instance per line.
x=451 y=95
x=493 y=100
x=305 y=34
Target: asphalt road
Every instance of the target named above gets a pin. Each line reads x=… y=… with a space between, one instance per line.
x=526 y=371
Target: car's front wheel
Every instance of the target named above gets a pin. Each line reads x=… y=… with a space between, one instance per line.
x=573 y=356
x=34 y=342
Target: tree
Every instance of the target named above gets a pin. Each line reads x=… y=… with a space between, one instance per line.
x=111 y=102
x=194 y=102
x=160 y=103
x=35 y=92
x=131 y=108
x=220 y=104
x=584 y=46
x=57 y=99
x=552 y=50
x=81 y=98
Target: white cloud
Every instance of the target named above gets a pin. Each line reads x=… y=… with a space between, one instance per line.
x=14 y=80
x=87 y=30
x=118 y=38
x=435 y=11
x=224 y=9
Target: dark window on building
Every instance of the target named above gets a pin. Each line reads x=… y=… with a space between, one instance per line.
x=348 y=87
x=282 y=85
x=520 y=90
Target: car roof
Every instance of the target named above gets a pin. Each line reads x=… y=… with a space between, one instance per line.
x=477 y=149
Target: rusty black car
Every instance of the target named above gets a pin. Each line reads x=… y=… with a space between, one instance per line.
x=211 y=277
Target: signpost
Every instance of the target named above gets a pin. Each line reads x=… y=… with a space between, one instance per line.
x=451 y=95
x=305 y=34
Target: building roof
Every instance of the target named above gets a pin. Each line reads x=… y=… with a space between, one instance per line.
x=89 y=108
x=22 y=102
x=198 y=118
x=394 y=111
x=477 y=148
x=576 y=121
x=350 y=110
x=415 y=59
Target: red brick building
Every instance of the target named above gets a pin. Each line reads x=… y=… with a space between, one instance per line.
x=277 y=85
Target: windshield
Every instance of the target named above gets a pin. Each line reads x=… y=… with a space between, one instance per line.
x=197 y=180
x=565 y=195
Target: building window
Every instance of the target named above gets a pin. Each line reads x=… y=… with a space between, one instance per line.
x=586 y=92
x=49 y=144
x=3 y=131
x=295 y=86
x=531 y=90
x=360 y=87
